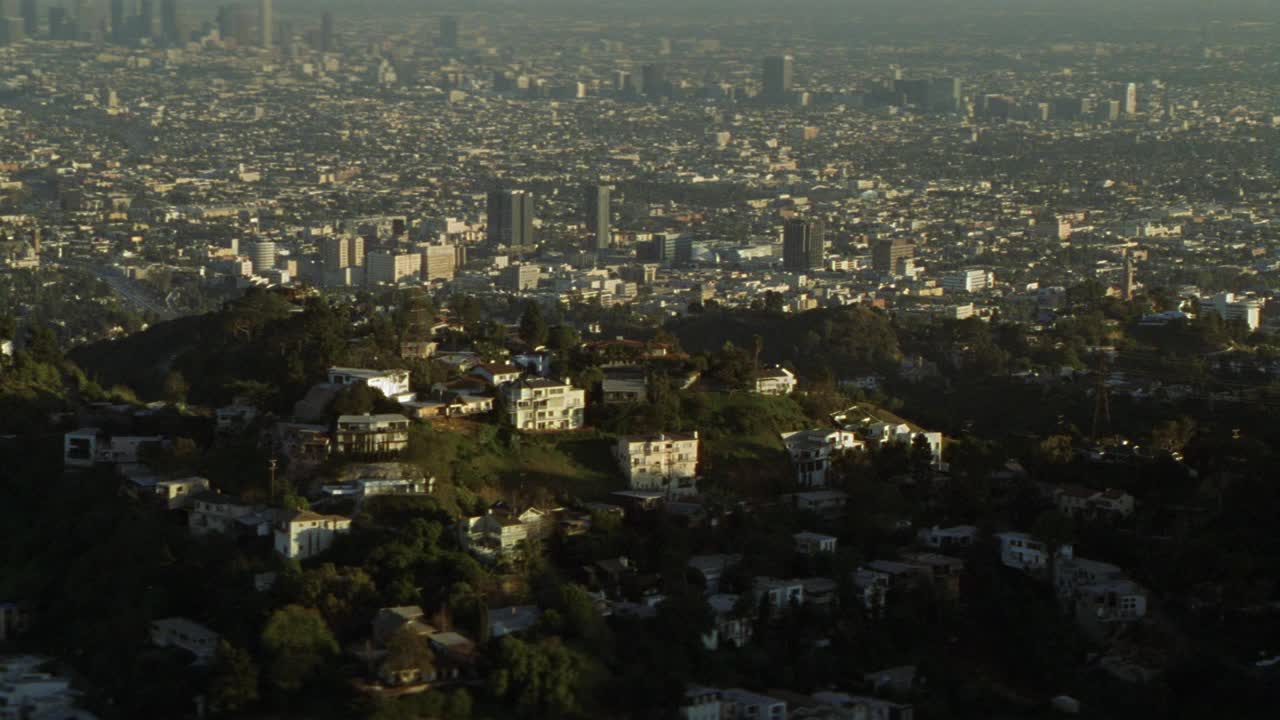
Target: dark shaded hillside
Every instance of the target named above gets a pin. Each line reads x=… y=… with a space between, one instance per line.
x=140 y=361
x=843 y=341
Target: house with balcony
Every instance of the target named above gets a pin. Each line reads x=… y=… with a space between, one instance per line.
x=1021 y=551
x=812 y=453
x=502 y=532
x=811 y=543
x=537 y=404
x=213 y=512
x=371 y=435
x=667 y=462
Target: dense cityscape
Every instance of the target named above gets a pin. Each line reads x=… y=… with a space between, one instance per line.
x=571 y=359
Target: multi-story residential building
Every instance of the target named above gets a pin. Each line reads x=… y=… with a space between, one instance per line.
x=303 y=534
x=179 y=494
x=667 y=462
x=778 y=594
x=439 y=262
x=518 y=278
x=371 y=435
x=538 y=404
x=213 y=512
x=812 y=451
x=1020 y=551
x=394 y=384
x=338 y=252
x=1076 y=500
x=501 y=532
x=1115 y=601
x=701 y=704
x=774 y=381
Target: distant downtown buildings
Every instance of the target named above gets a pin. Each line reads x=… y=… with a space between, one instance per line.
x=510 y=218
x=804 y=245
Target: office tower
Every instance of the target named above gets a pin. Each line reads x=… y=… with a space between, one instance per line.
x=4 y=8
x=146 y=19
x=599 y=217
x=390 y=268
x=263 y=256
x=265 y=27
x=891 y=256
x=945 y=94
x=510 y=218
x=58 y=23
x=449 y=32
x=654 y=81
x=661 y=249
x=117 y=21
x=30 y=17
x=342 y=251
x=779 y=79
x=326 y=32
x=10 y=30
x=804 y=245
x=439 y=262
x=170 y=25
x=518 y=278
x=1130 y=99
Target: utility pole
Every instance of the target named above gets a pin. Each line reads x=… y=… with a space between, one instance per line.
x=272 y=465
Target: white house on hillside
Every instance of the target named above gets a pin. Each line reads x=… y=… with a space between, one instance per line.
x=813 y=450
x=1020 y=551
x=666 y=462
x=537 y=404
x=774 y=381
x=392 y=383
x=303 y=534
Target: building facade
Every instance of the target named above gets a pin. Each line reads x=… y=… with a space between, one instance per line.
x=537 y=404
x=666 y=462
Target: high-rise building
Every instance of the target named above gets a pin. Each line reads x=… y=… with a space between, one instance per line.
x=265 y=27
x=779 y=79
x=449 y=32
x=389 y=268
x=342 y=251
x=146 y=18
x=804 y=245
x=653 y=81
x=59 y=25
x=11 y=30
x=326 y=33
x=890 y=256
x=170 y=22
x=30 y=17
x=510 y=218
x=263 y=256
x=439 y=262
x=1130 y=102
x=119 y=27
x=599 y=216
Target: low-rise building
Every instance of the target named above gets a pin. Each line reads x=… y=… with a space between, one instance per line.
x=303 y=534
x=738 y=704
x=811 y=543
x=87 y=447
x=394 y=384
x=188 y=635
x=1020 y=551
x=179 y=494
x=774 y=381
x=950 y=538
x=666 y=462
x=213 y=512
x=778 y=594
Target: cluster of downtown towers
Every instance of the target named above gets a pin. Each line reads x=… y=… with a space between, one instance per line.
x=132 y=21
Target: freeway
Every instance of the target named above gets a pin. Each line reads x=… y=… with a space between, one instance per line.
x=136 y=295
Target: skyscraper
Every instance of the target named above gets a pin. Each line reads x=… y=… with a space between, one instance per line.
x=118 y=21
x=779 y=79
x=449 y=32
x=1130 y=101
x=30 y=17
x=510 y=218
x=146 y=19
x=890 y=256
x=804 y=245
x=170 y=25
x=263 y=255
x=599 y=217
x=654 y=81
x=265 y=27
x=326 y=32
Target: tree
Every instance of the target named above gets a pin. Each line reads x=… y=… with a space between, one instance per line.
x=175 y=387
x=233 y=680
x=298 y=642
x=8 y=327
x=533 y=328
x=536 y=679
x=408 y=652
